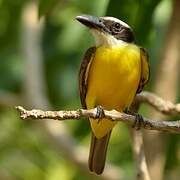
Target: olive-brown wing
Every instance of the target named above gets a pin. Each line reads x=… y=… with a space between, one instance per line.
x=83 y=74
x=145 y=69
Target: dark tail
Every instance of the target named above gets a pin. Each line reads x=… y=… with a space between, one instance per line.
x=97 y=154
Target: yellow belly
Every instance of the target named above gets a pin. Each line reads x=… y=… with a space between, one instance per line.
x=112 y=82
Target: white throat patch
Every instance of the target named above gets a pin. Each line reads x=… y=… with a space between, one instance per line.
x=105 y=39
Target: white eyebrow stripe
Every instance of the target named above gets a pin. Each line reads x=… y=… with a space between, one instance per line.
x=115 y=20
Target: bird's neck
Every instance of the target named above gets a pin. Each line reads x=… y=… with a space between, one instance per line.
x=107 y=40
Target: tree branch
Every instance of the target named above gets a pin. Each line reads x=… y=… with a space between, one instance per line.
x=142 y=172
x=167 y=126
x=139 y=156
x=161 y=105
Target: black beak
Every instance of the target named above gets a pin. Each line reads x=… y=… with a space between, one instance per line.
x=90 y=21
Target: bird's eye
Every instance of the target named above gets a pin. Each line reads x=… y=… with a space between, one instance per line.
x=117 y=25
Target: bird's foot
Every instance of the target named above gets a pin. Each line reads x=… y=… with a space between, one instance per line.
x=99 y=113
x=139 y=121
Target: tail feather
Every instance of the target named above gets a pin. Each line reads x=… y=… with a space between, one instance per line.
x=97 y=154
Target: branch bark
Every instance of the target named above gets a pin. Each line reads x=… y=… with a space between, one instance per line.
x=158 y=103
x=139 y=156
x=142 y=172
x=167 y=126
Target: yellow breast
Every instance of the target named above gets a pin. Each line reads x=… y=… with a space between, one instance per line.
x=113 y=79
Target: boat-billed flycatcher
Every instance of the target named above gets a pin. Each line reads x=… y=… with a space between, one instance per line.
x=111 y=74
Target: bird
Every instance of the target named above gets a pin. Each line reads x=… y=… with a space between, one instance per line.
x=111 y=74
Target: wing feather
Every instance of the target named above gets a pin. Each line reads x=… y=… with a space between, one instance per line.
x=83 y=74
x=145 y=69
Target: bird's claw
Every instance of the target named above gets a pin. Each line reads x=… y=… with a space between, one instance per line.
x=139 y=121
x=99 y=113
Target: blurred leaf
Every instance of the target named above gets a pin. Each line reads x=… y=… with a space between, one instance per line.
x=94 y=7
x=60 y=171
x=1 y=1
x=46 y=6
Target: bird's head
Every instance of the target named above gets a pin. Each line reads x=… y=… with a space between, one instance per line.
x=108 y=31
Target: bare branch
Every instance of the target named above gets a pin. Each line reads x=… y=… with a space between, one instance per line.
x=142 y=172
x=166 y=107
x=168 y=126
x=140 y=159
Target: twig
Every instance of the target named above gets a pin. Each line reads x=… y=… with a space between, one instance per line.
x=142 y=172
x=140 y=159
x=166 y=107
x=168 y=126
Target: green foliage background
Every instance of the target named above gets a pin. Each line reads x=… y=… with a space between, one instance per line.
x=24 y=151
